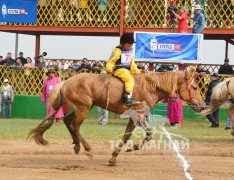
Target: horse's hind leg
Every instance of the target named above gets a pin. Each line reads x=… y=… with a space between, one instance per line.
x=79 y=118
x=68 y=120
x=126 y=137
x=230 y=112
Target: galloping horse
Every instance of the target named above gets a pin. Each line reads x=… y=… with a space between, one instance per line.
x=84 y=91
x=220 y=96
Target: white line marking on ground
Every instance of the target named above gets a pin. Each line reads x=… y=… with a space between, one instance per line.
x=179 y=155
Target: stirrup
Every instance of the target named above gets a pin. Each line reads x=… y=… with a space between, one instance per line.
x=128 y=99
x=132 y=102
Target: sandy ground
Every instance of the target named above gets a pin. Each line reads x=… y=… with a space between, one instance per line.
x=23 y=160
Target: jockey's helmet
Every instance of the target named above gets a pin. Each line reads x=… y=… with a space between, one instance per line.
x=127 y=38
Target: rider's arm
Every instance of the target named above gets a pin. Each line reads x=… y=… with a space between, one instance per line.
x=115 y=55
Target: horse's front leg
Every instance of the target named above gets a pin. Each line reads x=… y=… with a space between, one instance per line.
x=230 y=112
x=126 y=137
x=144 y=124
x=149 y=136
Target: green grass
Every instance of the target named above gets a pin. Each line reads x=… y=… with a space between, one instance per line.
x=194 y=130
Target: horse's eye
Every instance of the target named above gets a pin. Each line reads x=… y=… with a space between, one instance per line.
x=194 y=88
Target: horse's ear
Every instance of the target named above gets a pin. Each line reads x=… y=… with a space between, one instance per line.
x=190 y=72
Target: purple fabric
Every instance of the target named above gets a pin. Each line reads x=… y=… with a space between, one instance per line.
x=174 y=109
x=47 y=87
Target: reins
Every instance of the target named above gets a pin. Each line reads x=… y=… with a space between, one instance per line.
x=108 y=92
x=189 y=91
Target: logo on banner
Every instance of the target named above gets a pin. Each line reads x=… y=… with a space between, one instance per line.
x=163 y=47
x=6 y=11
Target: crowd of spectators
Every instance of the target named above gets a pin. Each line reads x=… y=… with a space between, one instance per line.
x=137 y=12
x=62 y=66
x=58 y=65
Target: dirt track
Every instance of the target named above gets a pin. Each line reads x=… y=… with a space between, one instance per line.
x=22 y=160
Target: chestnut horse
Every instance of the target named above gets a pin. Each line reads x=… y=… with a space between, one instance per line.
x=84 y=91
x=220 y=96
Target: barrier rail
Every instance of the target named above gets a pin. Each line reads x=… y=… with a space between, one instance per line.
x=29 y=81
x=138 y=13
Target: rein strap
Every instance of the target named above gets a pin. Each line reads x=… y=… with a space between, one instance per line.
x=189 y=91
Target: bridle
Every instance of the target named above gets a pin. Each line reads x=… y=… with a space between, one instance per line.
x=188 y=88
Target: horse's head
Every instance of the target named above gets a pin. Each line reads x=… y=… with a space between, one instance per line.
x=188 y=91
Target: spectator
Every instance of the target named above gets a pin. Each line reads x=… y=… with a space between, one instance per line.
x=198 y=20
x=29 y=62
x=53 y=66
x=28 y=65
x=63 y=68
x=27 y=77
x=200 y=72
x=214 y=116
x=102 y=116
x=101 y=11
x=97 y=67
x=102 y=113
x=1 y=60
x=75 y=66
x=17 y=65
x=22 y=59
x=48 y=85
x=85 y=65
x=6 y=98
x=226 y=68
x=40 y=62
x=164 y=68
x=9 y=60
x=229 y=124
x=182 y=20
x=141 y=67
x=174 y=110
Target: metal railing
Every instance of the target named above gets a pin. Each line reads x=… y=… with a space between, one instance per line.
x=137 y=13
x=29 y=81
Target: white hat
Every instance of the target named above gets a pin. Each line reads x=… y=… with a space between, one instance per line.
x=5 y=80
x=197 y=6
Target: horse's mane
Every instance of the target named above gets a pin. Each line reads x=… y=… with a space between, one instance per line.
x=219 y=97
x=166 y=81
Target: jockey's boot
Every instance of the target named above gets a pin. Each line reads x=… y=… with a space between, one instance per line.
x=128 y=99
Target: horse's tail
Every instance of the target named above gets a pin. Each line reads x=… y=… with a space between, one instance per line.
x=55 y=98
x=56 y=101
x=219 y=97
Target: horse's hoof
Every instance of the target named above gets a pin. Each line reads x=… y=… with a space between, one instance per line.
x=76 y=149
x=89 y=155
x=112 y=163
x=129 y=150
x=232 y=133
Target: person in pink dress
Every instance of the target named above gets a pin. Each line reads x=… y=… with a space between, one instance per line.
x=48 y=85
x=174 y=110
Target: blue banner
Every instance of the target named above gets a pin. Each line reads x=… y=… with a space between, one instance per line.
x=168 y=47
x=18 y=11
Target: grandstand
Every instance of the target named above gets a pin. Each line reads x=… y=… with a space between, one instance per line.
x=114 y=17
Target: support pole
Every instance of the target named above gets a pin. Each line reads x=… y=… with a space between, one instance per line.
x=122 y=17
x=37 y=49
x=226 y=50
x=16 y=45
